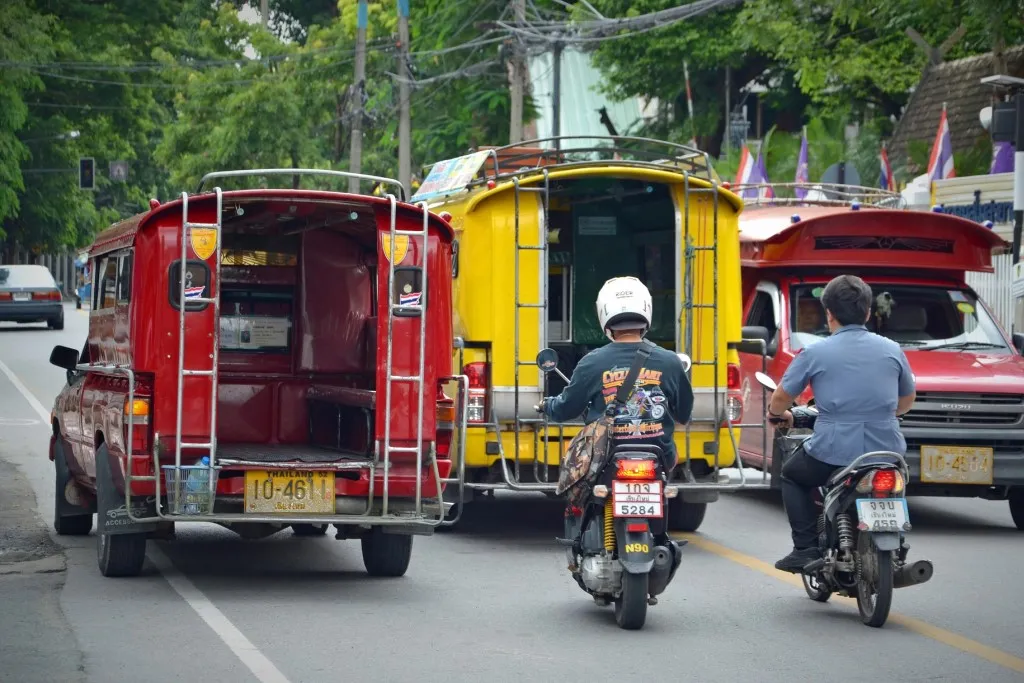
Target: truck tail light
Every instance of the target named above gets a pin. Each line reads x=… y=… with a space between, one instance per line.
x=137 y=412
x=445 y=423
x=477 y=399
x=734 y=398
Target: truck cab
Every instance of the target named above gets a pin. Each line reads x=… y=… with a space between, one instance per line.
x=965 y=431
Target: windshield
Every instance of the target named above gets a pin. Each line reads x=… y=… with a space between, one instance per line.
x=26 y=276
x=918 y=317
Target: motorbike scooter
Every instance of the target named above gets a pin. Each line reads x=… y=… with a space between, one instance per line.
x=616 y=541
x=862 y=525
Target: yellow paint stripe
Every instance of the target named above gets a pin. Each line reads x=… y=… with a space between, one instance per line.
x=991 y=654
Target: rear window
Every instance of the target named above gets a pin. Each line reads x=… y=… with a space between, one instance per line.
x=26 y=276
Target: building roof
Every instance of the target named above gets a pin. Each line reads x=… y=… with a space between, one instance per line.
x=956 y=83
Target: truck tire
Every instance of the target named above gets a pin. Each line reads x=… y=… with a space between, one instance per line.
x=120 y=554
x=66 y=525
x=1017 y=506
x=386 y=554
x=683 y=516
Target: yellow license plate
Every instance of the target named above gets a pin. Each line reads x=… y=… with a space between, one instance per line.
x=289 y=492
x=956 y=465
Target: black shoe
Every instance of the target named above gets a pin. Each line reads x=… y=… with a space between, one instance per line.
x=798 y=559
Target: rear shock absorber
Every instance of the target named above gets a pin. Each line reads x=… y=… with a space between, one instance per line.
x=844 y=528
x=609 y=528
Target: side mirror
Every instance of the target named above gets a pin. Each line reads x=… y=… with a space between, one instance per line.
x=1018 y=342
x=765 y=381
x=64 y=357
x=547 y=360
x=753 y=336
x=685 y=360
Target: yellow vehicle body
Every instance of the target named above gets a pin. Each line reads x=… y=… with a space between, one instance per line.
x=508 y=235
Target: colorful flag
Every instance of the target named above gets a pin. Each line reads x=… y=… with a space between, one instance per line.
x=1002 y=158
x=746 y=173
x=885 y=178
x=940 y=165
x=802 y=176
x=762 y=177
x=411 y=299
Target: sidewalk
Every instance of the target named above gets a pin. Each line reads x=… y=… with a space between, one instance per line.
x=36 y=643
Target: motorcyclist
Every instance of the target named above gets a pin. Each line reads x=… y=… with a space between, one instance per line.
x=662 y=391
x=861 y=383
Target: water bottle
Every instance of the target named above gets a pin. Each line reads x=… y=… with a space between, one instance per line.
x=195 y=483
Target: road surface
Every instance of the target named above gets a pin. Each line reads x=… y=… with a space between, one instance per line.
x=489 y=602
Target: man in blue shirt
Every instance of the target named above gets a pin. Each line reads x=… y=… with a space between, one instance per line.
x=861 y=382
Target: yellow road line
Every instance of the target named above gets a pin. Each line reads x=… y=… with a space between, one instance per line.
x=991 y=654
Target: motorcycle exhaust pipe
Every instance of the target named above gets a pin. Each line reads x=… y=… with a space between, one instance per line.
x=661 y=572
x=913 y=574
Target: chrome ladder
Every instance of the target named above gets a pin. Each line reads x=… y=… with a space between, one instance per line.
x=213 y=300
x=416 y=380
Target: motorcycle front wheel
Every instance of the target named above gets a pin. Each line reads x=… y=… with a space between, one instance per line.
x=631 y=606
x=874 y=582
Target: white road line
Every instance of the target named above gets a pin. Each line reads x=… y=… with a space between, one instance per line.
x=254 y=660
x=261 y=667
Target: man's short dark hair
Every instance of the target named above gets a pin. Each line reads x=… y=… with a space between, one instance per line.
x=848 y=298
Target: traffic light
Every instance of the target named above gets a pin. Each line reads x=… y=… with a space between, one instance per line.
x=87 y=173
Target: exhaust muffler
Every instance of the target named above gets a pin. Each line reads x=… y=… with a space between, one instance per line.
x=661 y=572
x=913 y=574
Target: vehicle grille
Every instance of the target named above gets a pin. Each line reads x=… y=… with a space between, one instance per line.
x=965 y=410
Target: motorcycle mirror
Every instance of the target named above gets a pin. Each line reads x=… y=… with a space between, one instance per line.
x=765 y=381
x=547 y=360
x=685 y=360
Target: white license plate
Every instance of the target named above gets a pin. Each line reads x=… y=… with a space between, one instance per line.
x=883 y=514
x=22 y=296
x=637 y=499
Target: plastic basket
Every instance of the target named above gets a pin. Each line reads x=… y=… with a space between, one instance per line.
x=188 y=489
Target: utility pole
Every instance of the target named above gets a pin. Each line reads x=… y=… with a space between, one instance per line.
x=265 y=12
x=404 y=124
x=355 y=163
x=556 y=94
x=518 y=77
x=728 y=110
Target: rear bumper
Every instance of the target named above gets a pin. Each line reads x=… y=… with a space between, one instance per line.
x=30 y=311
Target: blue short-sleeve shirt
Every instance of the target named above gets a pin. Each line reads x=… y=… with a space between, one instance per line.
x=857 y=378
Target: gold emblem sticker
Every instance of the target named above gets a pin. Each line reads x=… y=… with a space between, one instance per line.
x=401 y=246
x=204 y=241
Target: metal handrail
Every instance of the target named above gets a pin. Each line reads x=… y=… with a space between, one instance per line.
x=403 y=195
x=821 y=194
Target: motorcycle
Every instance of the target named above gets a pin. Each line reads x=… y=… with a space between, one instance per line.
x=610 y=540
x=861 y=528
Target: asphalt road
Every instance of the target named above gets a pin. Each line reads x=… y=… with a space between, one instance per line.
x=489 y=602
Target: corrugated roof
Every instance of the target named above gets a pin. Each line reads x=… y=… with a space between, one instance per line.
x=581 y=97
x=958 y=84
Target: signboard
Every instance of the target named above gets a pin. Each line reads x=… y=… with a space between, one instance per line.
x=119 y=171
x=450 y=175
x=254 y=333
x=979 y=198
x=604 y=226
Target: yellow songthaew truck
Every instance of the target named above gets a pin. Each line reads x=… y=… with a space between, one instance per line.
x=539 y=228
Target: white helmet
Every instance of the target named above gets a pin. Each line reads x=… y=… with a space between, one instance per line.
x=622 y=303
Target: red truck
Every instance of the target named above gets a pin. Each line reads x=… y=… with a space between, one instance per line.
x=262 y=359
x=965 y=432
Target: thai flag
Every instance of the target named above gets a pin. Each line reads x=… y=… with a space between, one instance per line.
x=940 y=166
x=885 y=178
x=412 y=299
x=194 y=292
x=802 y=174
x=765 y=192
x=746 y=173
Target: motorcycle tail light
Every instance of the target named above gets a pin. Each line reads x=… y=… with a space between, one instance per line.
x=881 y=483
x=636 y=469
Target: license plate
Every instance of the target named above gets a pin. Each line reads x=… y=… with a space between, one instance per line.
x=956 y=465
x=22 y=296
x=883 y=514
x=637 y=499
x=289 y=492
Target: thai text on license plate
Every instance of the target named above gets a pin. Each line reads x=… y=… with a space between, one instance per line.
x=637 y=499
x=883 y=514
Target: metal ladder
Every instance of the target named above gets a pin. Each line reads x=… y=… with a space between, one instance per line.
x=538 y=426
x=416 y=380
x=212 y=300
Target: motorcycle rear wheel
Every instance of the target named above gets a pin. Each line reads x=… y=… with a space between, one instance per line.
x=815 y=588
x=631 y=606
x=874 y=598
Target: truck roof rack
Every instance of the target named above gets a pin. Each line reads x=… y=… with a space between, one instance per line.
x=819 y=194
x=402 y=194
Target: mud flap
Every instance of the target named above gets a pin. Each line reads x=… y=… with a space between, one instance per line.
x=886 y=541
x=73 y=502
x=111 y=513
x=636 y=548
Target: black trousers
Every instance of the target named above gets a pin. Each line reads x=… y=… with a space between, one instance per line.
x=801 y=475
